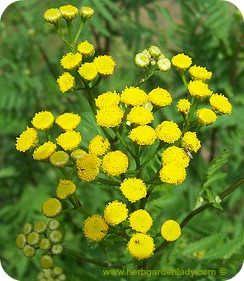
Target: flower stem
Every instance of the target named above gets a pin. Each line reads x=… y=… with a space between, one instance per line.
x=161 y=144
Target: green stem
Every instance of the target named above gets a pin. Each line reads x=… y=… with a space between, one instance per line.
x=190 y=115
x=69 y=25
x=161 y=144
x=78 y=33
x=183 y=77
x=62 y=36
x=109 y=182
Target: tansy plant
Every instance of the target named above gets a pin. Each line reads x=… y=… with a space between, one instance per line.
x=131 y=141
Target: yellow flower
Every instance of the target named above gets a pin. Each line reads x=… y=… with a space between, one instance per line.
x=220 y=104
x=133 y=189
x=143 y=135
x=191 y=142
x=88 y=71
x=86 y=49
x=168 y=131
x=175 y=155
x=115 y=212
x=77 y=153
x=71 y=61
x=66 y=82
x=200 y=73
x=86 y=12
x=134 y=96
x=65 y=188
x=95 y=228
x=59 y=159
x=98 y=146
x=69 y=12
x=115 y=163
x=52 y=15
x=140 y=221
x=51 y=207
x=69 y=140
x=44 y=151
x=183 y=106
x=109 y=116
x=43 y=120
x=88 y=167
x=27 y=140
x=172 y=174
x=141 y=246
x=108 y=99
x=104 y=64
x=170 y=230
x=68 y=121
x=181 y=61
x=160 y=97
x=206 y=116
x=198 y=89
x=139 y=115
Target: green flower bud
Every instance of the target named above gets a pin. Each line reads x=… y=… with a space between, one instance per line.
x=56 y=236
x=142 y=60
x=52 y=15
x=57 y=270
x=29 y=251
x=65 y=188
x=46 y=261
x=54 y=224
x=78 y=153
x=45 y=244
x=62 y=277
x=155 y=51
x=86 y=12
x=69 y=12
x=40 y=226
x=57 y=249
x=40 y=276
x=51 y=207
x=20 y=241
x=27 y=228
x=59 y=159
x=33 y=238
x=164 y=64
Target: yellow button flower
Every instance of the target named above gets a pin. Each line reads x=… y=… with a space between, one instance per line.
x=69 y=140
x=170 y=230
x=175 y=155
x=105 y=65
x=95 y=228
x=168 y=131
x=27 y=140
x=65 y=188
x=98 y=146
x=141 y=246
x=86 y=49
x=88 y=71
x=200 y=73
x=139 y=115
x=86 y=12
x=109 y=116
x=183 y=106
x=68 y=121
x=71 y=61
x=43 y=120
x=108 y=99
x=115 y=163
x=143 y=135
x=133 y=189
x=69 y=12
x=88 y=167
x=140 y=221
x=66 y=82
x=52 y=15
x=220 y=104
x=160 y=97
x=59 y=159
x=115 y=212
x=181 y=61
x=134 y=96
x=206 y=116
x=198 y=89
x=51 y=207
x=44 y=151
x=191 y=142
x=172 y=174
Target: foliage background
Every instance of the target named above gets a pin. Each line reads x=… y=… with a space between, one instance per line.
x=212 y=33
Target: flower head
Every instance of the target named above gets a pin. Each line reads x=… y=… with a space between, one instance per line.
x=51 y=207
x=88 y=71
x=191 y=142
x=95 y=228
x=59 y=159
x=139 y=115
x=175 y=155
x=77 y=153
x=109 y=116
x=86 y=12
x=44 y=151
x=108 y=99
x=69 y=140
x=168 y=131
x=141 y=246
x=160 y=97
x=115 y=212
x=154 y=51
x=199 y=89
x=43 y=120
x=66 y=82
x=105 y=65
x=140 y=221
x=71 y=61
x=134 y=96
x=133 y=189
x=164 y=64
x=172 y=174
x=200 y=73
x=183 y=106
x=220 y=104
x=170 y=230
x=98 y=146
x=46 y=261
x=86 y=49
x=142 y=60
x=69 y=12
x=27 y=140
x=65 y=188
x=52 y=15
x=40 y=226
x=206 y=116
x=88 y=167
x=68 y=121
x=143 y=135
x=181 y=61
x=115 y=163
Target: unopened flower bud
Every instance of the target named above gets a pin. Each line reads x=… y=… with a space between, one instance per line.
x=46 y=261
x=69 y=12
x=154 y=51
x=45 y=244
x=33 y=238
x=54 y=224
x=21 y=241
x=78 y=153
x=40 y=226
x=56 y=236
x=27 y=228
x=52 y=15
x=164 y=64
x=65 y=188
x=59 y=159
x=51 y=207
x=29 y=251
x=57 y=270
x=57 y=249
x=86 y=12
x=142 y=60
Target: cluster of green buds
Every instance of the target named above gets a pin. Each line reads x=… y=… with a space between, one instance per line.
x=153 y=59
x=54 y=274
x=47 y=237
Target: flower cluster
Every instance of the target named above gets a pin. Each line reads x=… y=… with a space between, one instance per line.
x=55 y=274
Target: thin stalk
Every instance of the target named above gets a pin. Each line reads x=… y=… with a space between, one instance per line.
x=161 y=144
x=78 y=33
x=62 y=36
x=109 y=182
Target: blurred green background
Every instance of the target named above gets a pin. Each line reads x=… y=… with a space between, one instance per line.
x=212 y=33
